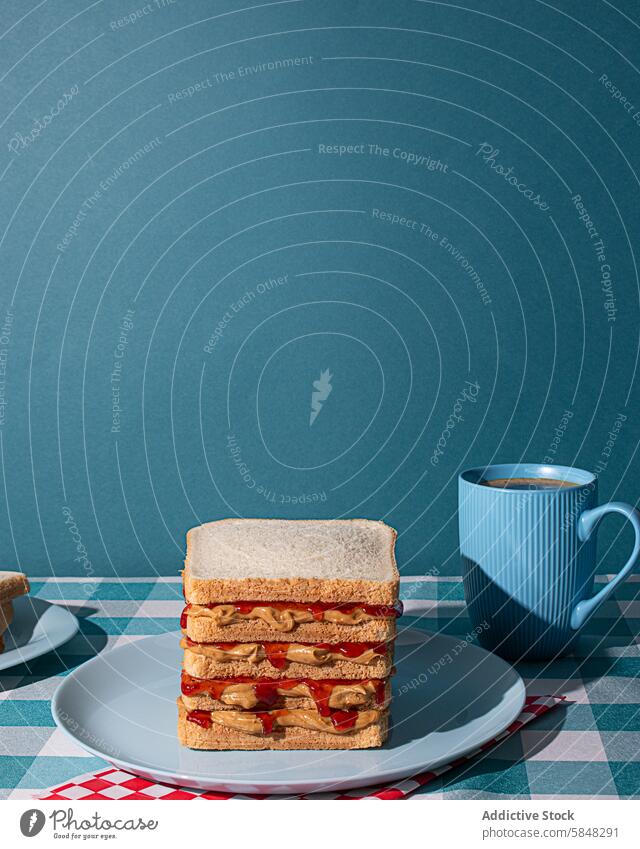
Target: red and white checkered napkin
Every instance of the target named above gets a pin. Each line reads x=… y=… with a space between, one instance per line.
x=116 y=784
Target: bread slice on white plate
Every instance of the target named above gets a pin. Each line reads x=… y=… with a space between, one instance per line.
x=12 y=585
x=6 y=615
x=305 y=560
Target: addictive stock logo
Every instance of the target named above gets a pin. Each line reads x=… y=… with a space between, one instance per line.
x=321 y=391
x=32 y=822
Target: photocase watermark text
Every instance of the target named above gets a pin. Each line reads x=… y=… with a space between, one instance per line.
x=65 y=820
x=89 y=585
x=468 y=394
x=489 y=155
x=19 y=142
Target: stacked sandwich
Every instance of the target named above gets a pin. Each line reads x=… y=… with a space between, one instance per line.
x=288 y=634
x=12 y=585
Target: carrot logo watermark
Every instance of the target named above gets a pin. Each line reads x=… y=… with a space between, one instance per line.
x=321 y=391
x=32 y=822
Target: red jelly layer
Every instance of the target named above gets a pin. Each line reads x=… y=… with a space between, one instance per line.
x=343 y=720
x=277 y=652
x=353 y=649
x=317 y=608
x=266 y=689
x=268 y=719
x=200 y=717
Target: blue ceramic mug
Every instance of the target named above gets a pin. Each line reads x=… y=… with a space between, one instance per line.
x=528 y=547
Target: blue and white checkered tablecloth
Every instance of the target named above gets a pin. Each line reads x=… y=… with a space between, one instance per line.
x=589 y=749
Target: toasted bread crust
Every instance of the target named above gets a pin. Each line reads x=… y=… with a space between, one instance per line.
x=204 y=630
x=222 y=591
x=221 y=738
x=12 y=585
x=201 y=666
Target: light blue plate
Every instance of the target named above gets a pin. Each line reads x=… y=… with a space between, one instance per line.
x=38 y=627
x=449 y=698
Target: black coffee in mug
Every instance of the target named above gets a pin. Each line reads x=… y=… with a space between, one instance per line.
x=528 y=483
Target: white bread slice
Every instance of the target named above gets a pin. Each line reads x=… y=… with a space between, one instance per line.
x=332 y=560
x=12 y=585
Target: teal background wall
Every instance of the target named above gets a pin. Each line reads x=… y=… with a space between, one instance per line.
x=204 y=206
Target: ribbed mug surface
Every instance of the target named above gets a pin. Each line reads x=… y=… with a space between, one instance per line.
x=524 y=566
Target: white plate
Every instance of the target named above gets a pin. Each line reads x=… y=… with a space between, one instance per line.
x=38 y=627
x=449 y=698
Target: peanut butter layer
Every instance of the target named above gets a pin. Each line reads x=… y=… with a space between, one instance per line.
x=270 y=722
x=249 y=723
x=285 y=616
x=202 y=666
x=353 y=695
x=225 y=623
x=311 y=655
x=203 y=630
x=220 y=737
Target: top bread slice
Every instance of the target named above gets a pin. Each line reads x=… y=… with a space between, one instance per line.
x=304 y=560
x=12 y=585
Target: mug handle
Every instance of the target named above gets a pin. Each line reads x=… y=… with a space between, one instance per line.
x=586 y=525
